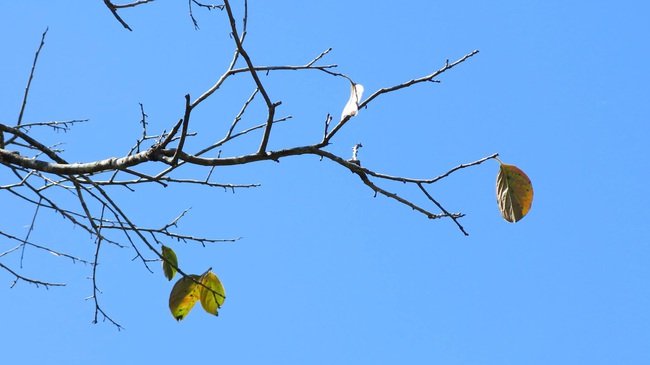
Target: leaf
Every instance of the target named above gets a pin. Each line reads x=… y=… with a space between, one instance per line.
x=352 y=107
x=514 y=193
x=211 y=300
x=184 y=295
x=170 y=257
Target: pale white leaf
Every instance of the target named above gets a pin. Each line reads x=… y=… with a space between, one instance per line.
x=352 y=107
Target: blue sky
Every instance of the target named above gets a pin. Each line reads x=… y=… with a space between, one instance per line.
x=324 y=272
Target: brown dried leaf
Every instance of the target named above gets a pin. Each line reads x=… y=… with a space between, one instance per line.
x=514 y=193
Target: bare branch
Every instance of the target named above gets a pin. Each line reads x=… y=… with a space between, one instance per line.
x=430 y=181
x=186 y=122
x=27 y=243
x=131 y=5
x=219 y=82
x=28 y=280
x=32 y=142
x=398 y=87
x=31 y=77
x=39 y=170
x=240 y=114
x=96 y=290
x=361 y=172
x=29 y=231
x=428 y=78
x=454 y=217
x=318 y=57
x=29 y=83
x=269 y=104
x=113 y=10
x=56 y=125
x=207 y=6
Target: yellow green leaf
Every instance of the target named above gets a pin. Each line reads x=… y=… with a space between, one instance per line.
x=514 y=193
x=184 y=295
x=170 y=257
x=212 y=298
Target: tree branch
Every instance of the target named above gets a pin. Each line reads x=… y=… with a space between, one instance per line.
x=39 y=171
x=113 y=8
x=406 y=84
x=28 y=280
x=269 y=104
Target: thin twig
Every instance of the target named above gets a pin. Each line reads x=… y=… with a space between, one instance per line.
x=241 y=113
x=398 y=87
x=53 y=252
x=430 y=181
x=428 y=78
x=319 y=57
x=28 y=280
x=208 y=6
x=453 y=217
x=219 y=82
x=96 y=290
x=113 y=9
x=31 y=77
x=186 y=122
x=29 y=231
x=269 y=104
x=131 y=5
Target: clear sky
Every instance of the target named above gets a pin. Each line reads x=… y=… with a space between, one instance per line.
x=326 y=273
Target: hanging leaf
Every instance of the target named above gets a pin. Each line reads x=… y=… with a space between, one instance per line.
x=184 y=295
x=514 y=193
x=352 y=107
x=211 y=300
x=170 y=257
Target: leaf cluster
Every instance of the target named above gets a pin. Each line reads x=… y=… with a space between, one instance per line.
x=189 y=289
